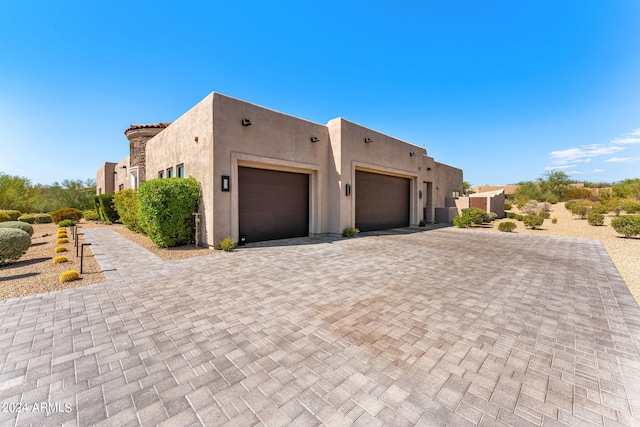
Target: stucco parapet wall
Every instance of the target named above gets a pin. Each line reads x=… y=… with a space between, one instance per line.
x=487 y=193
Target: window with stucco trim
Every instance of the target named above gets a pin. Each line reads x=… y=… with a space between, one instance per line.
x=170 y=173
x=161 y=174
x=180 y=171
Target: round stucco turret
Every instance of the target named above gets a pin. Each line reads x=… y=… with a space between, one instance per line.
x=138 y=135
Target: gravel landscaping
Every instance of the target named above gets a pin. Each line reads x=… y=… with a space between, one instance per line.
x=34 y=272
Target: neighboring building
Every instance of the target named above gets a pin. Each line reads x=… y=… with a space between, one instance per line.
x=508 y=189
x=489 y=201
x=266 y=175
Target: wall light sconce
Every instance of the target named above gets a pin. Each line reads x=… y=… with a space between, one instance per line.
x=428 y=169
x=124 y=166
x=420 y=194
x=195 y=139
x=347 y=189
x=114 y=172
x=225 y=183
x=314 y=139
x=368 y=140
x=412 y=154
x=246 y=122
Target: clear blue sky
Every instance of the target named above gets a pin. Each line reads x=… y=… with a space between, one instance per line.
x=505 y=90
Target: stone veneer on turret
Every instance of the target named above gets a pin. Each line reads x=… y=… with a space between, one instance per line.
x=138 y=135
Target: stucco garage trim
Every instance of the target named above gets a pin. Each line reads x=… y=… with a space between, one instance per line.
x=259 y=162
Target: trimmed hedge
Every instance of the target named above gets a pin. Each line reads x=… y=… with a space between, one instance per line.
x=14 y=242
x=595 y=218
x=507 y=226
x=13 y=214
x=43 y=218
x=165 y=210
x=126 y=205
x=4 y=217
x=107 y=211
x=19 y=225
x=91 y=216
x=66 y=213
x=29 y=219
x=533 y=221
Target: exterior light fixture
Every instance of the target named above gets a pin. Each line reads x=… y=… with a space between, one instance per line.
x=124 y=166
x=420 y=194
x=347 y=189
x=195 y=139
x=246 y=122
x=428 y=169
x=225 y=183
x=412 y=154
x=314 y=139
x=368 y=140
x=243 y=240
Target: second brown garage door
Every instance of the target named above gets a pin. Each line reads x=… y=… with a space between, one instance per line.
x=382 y=201
x=272 y=204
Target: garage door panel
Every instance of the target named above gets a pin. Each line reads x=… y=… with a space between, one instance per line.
x=272 y=204
x=382 y=201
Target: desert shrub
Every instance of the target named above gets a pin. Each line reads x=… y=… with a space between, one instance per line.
x=67 y=223
x=14 y=242
x=533 y=221
x=600 y=208
x=60 y=259
x=227 y=244
x=29 y=219
x=553 y=200
x=521 y=202
x=463 y=221
x=507 y=226
x=512 y=215
x=477 y=215
x=62 y=240
x=66 y=213
x=631 y=206
x=43 y=218
x=531 y=208
x=580 y=208
x=13 y=214
x=628 y=225
x=507 y=206
x=615 y=205
x=90 y=216
x=350 y=232
x=126 y=205
x=19 y=225
x=165 y=210
x=69 y=276
x=422 y=223
x=544 y=215
x=554 y=221
x=107 y=210
x=595 y=218
x=4 y=217
x=60 y=249
x=492 y=216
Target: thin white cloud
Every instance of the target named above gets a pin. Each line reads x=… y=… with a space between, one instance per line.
x=582 y=154
x=550 y=168
x=632 y=137
x=598 y=170
x=622 y=160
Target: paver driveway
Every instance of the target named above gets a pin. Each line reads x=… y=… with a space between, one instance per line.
x=429 y=328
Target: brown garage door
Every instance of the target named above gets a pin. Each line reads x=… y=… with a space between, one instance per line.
x=382 y=201
x=272 y=204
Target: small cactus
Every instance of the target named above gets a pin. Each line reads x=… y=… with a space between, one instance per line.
x=62 y=240
x=69 y=276
x=60 y=249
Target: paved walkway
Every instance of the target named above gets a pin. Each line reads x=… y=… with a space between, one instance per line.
x=442 y=327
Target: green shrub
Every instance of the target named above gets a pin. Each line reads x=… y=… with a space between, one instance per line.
x=463 y=221
x=595 y=218
x=628 y=225
x=554 y=221
x=43 y=218
x=14 y=242
x=13 y=214
x=631 y=206
x=66 y=213
x=350 y=232
x=492 y=216
x=165 y=210
x=553 y=200
x=533 y=221
x=580 y=208
x=126 y=205
x=512 y=215
x=600 y=208
x=107 y=208
x=544 y=215
x=90 y=216
x=227 y=244
x=19 y=225
x=568 y=205
x=507 y=206
x=4 y=217
x=29 y=219
x=422 y=223
x=507 y=226
x=477 y=215
x=67 y=223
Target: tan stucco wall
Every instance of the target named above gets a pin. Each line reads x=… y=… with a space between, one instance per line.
x=177 y=145
x=122 y=175
x=104 y=178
